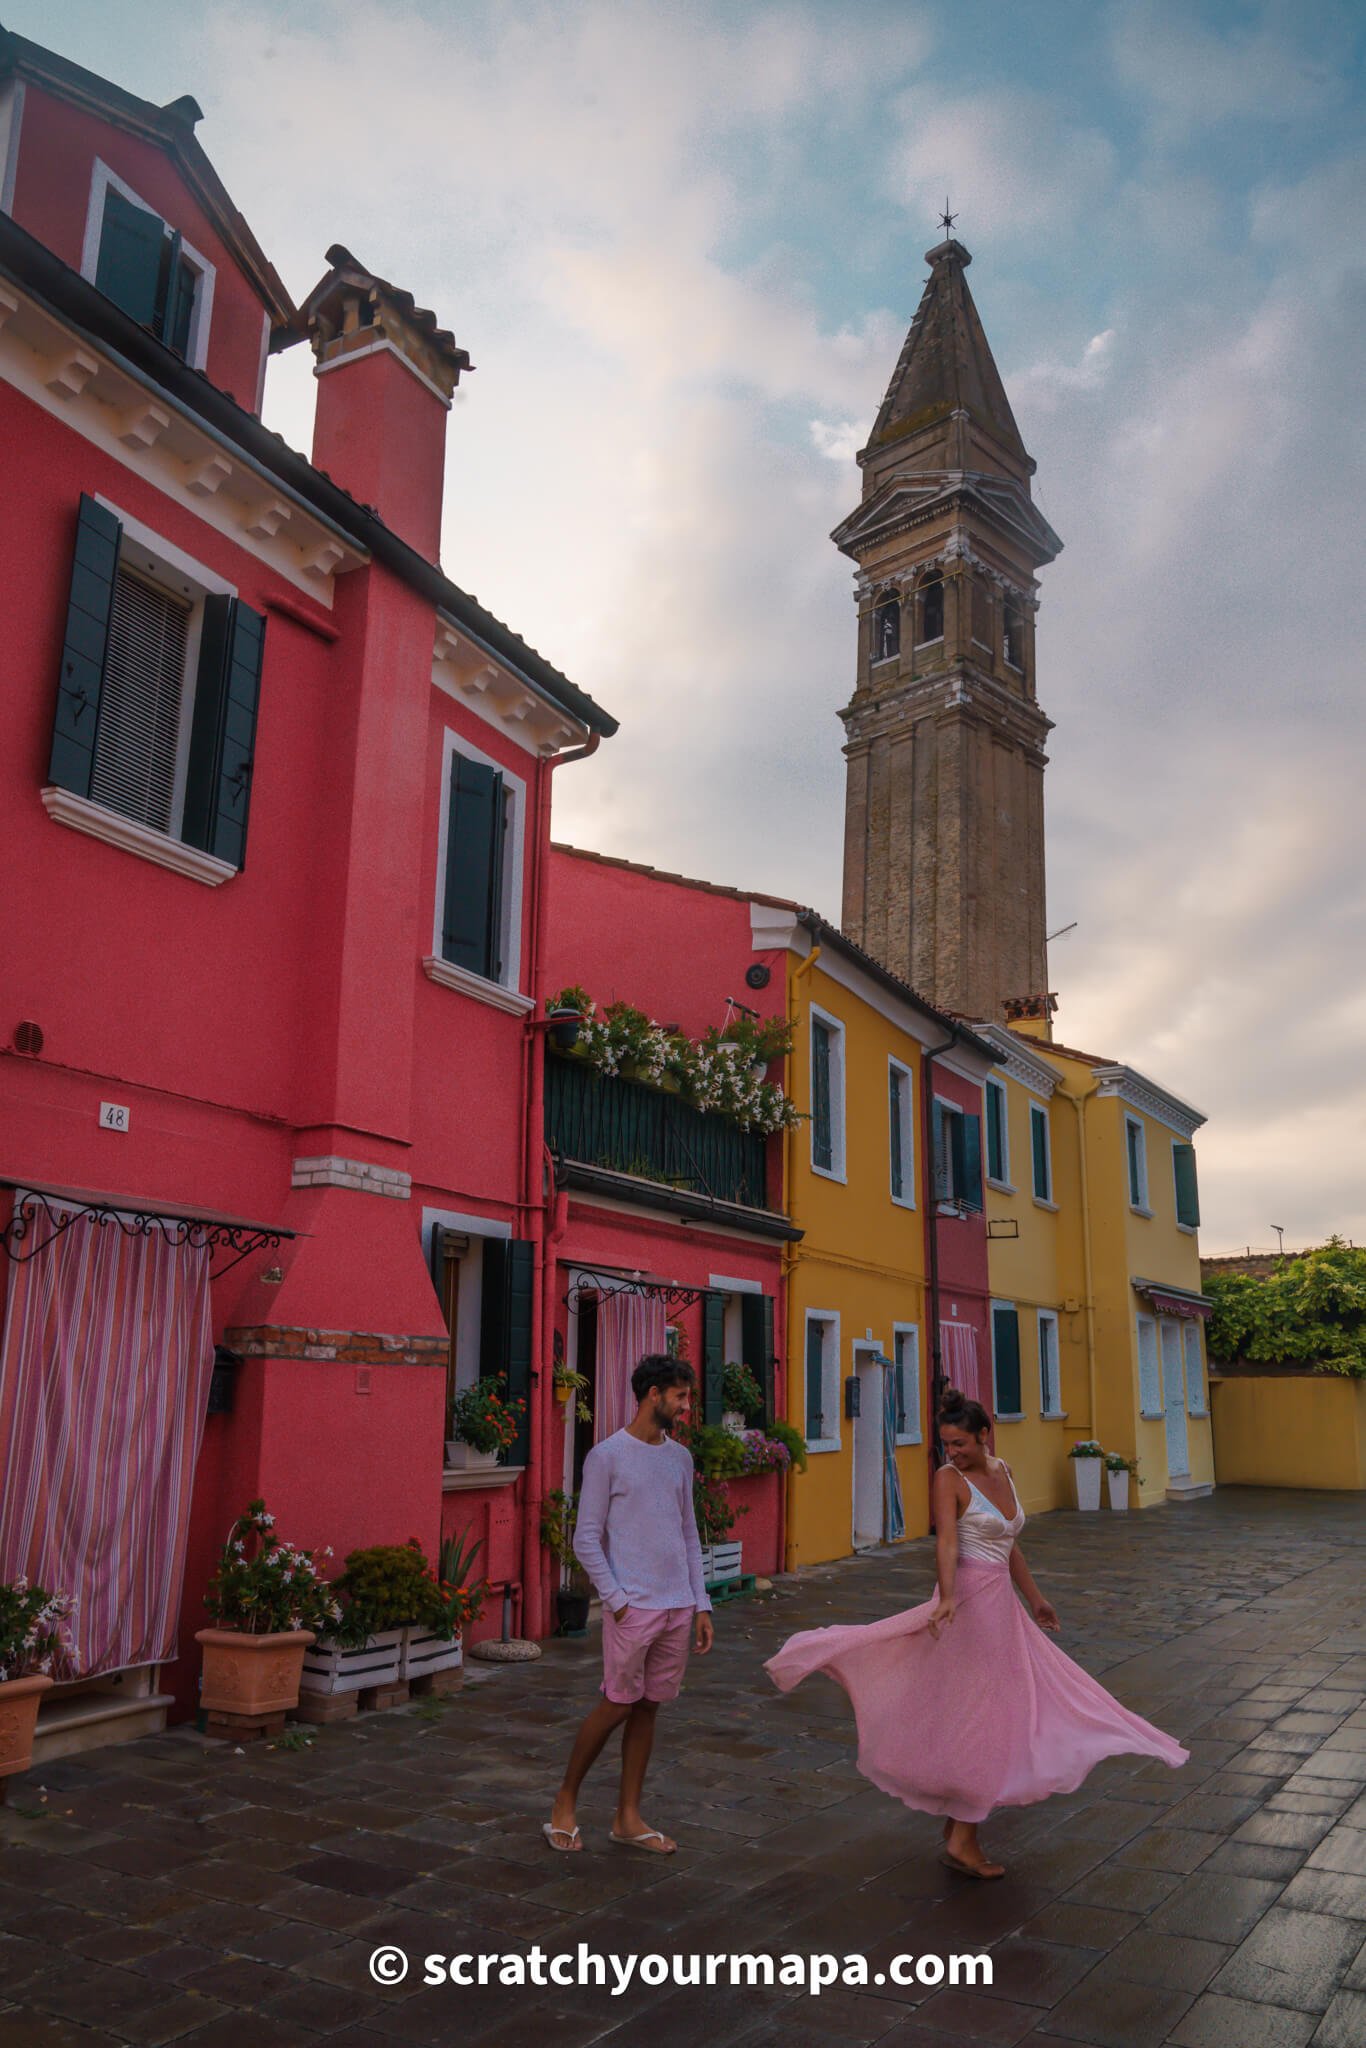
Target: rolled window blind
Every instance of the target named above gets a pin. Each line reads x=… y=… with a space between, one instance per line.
x=140 y=706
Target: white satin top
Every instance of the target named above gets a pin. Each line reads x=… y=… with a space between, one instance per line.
x=984 y=1533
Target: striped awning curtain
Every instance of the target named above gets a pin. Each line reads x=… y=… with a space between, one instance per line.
x=958 y=1350
x=104 y=1373
x=631 y=1326
x=893 y=1512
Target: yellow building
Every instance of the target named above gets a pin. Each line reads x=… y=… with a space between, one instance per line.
x=1097 y=1313
x=859 y=1352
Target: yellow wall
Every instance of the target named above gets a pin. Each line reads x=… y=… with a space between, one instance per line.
x=861 y=1259
x=1306 y=1430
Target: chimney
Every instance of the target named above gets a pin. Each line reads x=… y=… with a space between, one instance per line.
x=385 y=374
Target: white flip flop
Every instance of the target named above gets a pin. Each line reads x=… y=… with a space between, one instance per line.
x=549 y=1830
x=639 y=1841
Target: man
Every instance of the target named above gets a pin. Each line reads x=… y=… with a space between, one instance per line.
x=636 y=1538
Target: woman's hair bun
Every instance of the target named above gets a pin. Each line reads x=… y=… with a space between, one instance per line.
x=957 y=1411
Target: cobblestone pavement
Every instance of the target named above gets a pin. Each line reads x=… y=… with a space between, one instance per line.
x=174 y=1890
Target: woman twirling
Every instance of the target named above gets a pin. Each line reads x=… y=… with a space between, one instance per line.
x=962 y=1704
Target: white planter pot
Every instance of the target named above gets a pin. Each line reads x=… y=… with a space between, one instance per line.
x=725 y=1563
x=1088 y=1471
x=424 y=1653
x=461 y=1457
x=1119 y=1489
x=330 y=1668
x=733 y=1420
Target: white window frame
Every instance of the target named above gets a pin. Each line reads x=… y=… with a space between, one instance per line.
x=837 y=1169
x=102 y=178
x=1048 y=1319
x=1141 y=1207
x=913 y=1433
x=1040 y=1109
x=514 y=843
x=1004 y=1182
x=1197 y=1387
x=829 y=1319
x=1000 y=1414
x=905 y=1200
x=1149 y=1323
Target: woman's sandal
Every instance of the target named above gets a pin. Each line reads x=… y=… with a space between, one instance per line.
x=568 y=1847
x=951 y=1862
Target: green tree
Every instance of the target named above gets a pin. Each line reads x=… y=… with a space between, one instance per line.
x=1310 y=1311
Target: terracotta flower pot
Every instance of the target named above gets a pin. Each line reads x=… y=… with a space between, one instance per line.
x=246 y=1674
x=19 y=1699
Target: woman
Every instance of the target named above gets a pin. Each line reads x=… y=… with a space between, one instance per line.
x=962 y=1704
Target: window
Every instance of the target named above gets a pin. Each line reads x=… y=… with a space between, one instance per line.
x=1136 y=1154
x=1041 y=1154
x=901 y=1133
x=1149 y=1374
x=931 y=610
x=145 y=266
x=887 y=628
x=1187 y=1190
x=159 y=686
x=479 y=869
x=1005 y=1358
x=1013 y=639
x=957 y=1156
x=998 y=1134
x=1195 y=1369
x=1050 y=1386
x=822 y=1366
x=906 y=1367
x=827 y=1095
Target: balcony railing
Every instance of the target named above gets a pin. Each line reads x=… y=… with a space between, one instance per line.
x=605 y=1121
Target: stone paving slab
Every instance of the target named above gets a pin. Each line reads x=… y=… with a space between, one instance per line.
x=178 y=1891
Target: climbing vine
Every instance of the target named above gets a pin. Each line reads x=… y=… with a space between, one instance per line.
x=1310 y=1311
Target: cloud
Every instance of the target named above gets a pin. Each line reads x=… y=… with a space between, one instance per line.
x=1007 y=158
x=1052 y=383
x=1287 y=65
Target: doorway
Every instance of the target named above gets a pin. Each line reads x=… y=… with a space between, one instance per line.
x=868 y=1446
x=1174 y=1402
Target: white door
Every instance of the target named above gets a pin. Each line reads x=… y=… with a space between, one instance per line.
x=1174 y=1402
x=868 y=1425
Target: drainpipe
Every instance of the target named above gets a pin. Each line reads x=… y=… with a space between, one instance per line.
x=1079 y=1103
x=937 y=1378
x=791 y=1254
x=537 y=1193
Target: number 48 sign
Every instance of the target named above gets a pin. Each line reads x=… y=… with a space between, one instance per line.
x=114 y=1116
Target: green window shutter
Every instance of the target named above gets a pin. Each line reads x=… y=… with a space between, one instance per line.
x=474 y=868
x=896 y=1083
x=1133 y=1138
x=1038 y=1136
x=505 y=1323
x=1005 y=1351
x=815 y=1382
x=223 y=736
x=756 y=1343
x=713 y=1354
x=944 y=1148
x=132 y=248
x=996 y=1150
x=83 y=649
x=969 y=1136
x=822 y=1130
x=1187 y=1188
x=177 y=298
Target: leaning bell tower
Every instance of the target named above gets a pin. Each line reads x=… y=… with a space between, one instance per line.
x=944 y=838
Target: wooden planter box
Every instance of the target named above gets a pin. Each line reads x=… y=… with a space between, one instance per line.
x=19 y=1699
x=328 y=1668
x=724 y=1563
x=424 y=1655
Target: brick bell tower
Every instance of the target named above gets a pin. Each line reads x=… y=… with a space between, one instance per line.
x=944 y=840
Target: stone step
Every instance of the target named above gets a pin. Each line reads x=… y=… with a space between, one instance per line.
x=94 y=1720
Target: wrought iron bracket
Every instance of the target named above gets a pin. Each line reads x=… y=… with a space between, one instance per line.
x=40 y=1217
x=596 y=1285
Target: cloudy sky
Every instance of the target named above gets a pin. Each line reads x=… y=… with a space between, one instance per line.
x=683 y=243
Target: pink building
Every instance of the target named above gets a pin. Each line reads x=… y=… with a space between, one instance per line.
x=277 y=799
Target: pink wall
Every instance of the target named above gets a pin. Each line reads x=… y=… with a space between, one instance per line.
x=58 y=145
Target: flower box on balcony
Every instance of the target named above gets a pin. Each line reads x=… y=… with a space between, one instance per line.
x=331 y=1668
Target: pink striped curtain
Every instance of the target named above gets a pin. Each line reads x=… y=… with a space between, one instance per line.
x=958 y=1349
x=104 y=1374
x=630 y=1327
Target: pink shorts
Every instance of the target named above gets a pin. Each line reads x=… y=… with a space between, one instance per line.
x=645 y=1655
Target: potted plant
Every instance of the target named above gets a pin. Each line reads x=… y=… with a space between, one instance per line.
x=433 y=1641
x=572 y=1386
x=268 y=1602
x=742 y=1398
x=484 y=1423
x=382 y=1589
x=566 y=1011
x=32 y=1632
x=559 y=1514
x=1087 y=1458
x=1117 y=1471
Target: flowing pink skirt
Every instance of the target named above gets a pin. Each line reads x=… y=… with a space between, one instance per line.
x=991 y=1713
